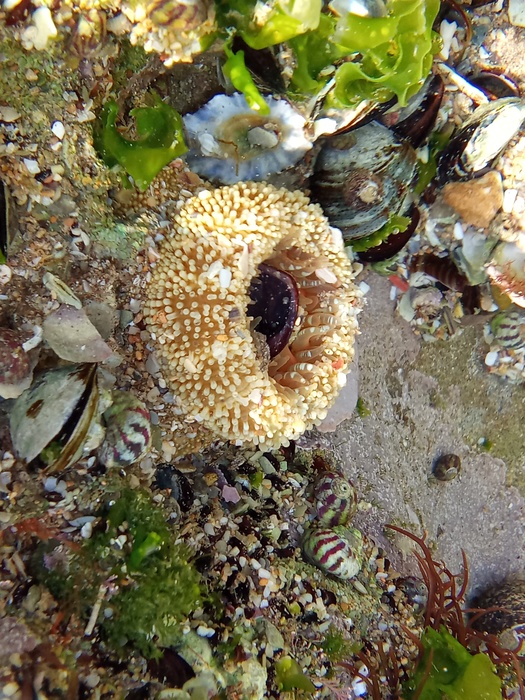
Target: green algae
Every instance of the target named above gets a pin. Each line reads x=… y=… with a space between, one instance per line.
x=447 y=671
x=235 y=70
x=290 y=676
x=159 y=140
x=154 y=584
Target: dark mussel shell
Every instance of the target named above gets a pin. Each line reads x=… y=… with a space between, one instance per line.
x=263 y=66
x=168 y=477
x=361 y=178
x=415 y=122
x=394 y=243
x=495 y=85
x=445 y=271
x=482 y=138
x=275 y=301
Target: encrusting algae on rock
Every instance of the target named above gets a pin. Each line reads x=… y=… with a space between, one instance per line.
x=216 y=362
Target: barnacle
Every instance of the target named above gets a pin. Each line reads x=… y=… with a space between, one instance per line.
x=175 y=29
x=197 y=311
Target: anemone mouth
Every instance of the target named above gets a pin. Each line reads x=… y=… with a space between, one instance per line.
x=201 y=313
x=274 y=306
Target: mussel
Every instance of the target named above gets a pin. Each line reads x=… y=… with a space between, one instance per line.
x=482 y=138
x=57 y=420
x=362 y=177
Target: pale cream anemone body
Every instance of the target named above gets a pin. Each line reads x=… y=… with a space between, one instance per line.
x=197 y=312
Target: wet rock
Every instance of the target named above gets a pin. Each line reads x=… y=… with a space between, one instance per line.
x=476 y=201
x=15 y=637
x=15 y=368
x=73 y=337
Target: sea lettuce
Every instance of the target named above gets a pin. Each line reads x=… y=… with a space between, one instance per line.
x=235 y=70
x=382 y=56
x=160 y=140
x=448 y=671
x=264 y=24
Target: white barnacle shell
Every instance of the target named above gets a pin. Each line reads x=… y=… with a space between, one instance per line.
x=229 y=142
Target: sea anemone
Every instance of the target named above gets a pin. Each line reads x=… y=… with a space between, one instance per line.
x=172 y=28
x=230 y=142
x=201 y=315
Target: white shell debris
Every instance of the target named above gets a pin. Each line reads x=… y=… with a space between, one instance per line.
x=60 y=290
x=43 y=28
x=58 y=129
x=517 y=13
x=32 y=165
x=491 y=358
x=73 y=337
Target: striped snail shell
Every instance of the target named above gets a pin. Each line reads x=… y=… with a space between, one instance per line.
x=336 y=552
x=336 y=499
x=128 y=431
x=508 y=329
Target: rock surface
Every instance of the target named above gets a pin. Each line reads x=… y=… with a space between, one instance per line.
x=476 y=201
x=415 y=416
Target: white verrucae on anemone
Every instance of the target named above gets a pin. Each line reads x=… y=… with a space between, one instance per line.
x=197 y=310
x=229 y=142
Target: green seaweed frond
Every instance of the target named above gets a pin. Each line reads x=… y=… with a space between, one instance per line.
x=235 y=70
x=395 y=224
x=290 y=676
x=448 y=671
x=160 y=140
x=148 y=580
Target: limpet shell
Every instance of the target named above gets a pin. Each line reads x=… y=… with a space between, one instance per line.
x=59 y=413
x=336 y=500
x=331 y=551
x=128 y=431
